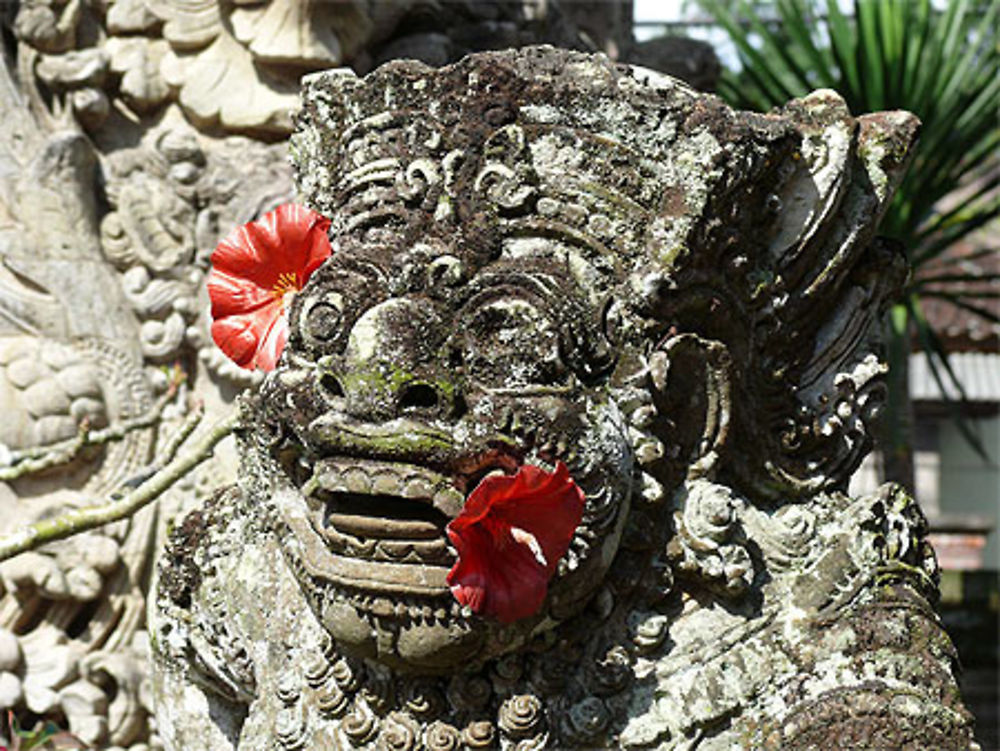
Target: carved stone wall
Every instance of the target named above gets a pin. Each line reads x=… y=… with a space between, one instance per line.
x=544 y=259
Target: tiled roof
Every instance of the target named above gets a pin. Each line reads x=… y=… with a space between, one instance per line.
x=979 y=373
x=961 y=329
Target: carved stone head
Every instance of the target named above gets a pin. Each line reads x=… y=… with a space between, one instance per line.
x=542 y=257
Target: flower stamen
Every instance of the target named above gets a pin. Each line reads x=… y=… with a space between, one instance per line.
x=524 y=537
x=284 y=289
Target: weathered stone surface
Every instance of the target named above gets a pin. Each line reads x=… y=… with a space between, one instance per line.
x=542 y=256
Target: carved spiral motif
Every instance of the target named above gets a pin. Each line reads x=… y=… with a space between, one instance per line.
x=345 y=676
x=611 y=674
x=649 y=630
x=521 y=715
x=290 y=728
x=378 y=692
x=317 y=669
x=503 y=186
x=417 y=179
x=479 y=734
x=445 y=271
x=784 y=537
x=535 y=743
x=331 y=701
x=360 y=724
x=399 y=733
x=550 y=674
x=469 y=693
x=709 y=513
x=288 y=687
x=508 y=668
x=115 y=242
x=586 y=720
x=423 y=698
x=442 y=737
x=322 y=320
x=710 y=543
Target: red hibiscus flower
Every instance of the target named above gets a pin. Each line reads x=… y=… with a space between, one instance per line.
x=510 y=535
x=256 y=270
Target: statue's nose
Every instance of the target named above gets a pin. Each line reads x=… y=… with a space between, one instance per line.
x=393 y=365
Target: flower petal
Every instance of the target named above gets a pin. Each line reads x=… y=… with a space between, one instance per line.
x=509 y=537
x=252 y=269
x=240 y=336
x=272 y=343
x=232 y=295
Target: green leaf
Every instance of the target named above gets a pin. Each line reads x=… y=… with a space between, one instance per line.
x=793 y=15
x=870 y=52
x=918 y=30
x=753 y=61
x=795 y=80
x=970 y=72
x=842 y=44
x=964 y=209
x=950 y=235
x=963 y=303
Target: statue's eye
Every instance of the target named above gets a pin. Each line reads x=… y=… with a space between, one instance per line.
x=513 y=344
x=322 y=319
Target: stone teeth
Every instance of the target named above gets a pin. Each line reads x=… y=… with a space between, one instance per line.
x=449 y=501
x=395 y=548
x=386 y=483
x=329 y=479
x=357 y=480
x=417 y=487
x=360 y=549
x=338 y=485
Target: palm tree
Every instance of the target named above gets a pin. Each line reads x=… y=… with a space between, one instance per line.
x=940 y=65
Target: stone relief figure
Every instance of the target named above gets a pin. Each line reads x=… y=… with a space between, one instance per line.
x=556 y=453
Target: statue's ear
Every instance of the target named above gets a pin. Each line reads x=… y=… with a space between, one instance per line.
x=691 y=380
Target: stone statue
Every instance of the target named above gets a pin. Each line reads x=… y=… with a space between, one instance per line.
x=558 y=279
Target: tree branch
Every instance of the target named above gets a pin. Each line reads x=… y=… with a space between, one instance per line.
x=37 y=458
x=84 y=519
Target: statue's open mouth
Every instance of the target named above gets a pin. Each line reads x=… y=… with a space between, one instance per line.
x=391 y=511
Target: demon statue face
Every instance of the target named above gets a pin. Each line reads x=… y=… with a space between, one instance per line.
x=424 y=357
x=558 y=281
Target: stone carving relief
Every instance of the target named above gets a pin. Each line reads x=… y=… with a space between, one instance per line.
x=542 y=258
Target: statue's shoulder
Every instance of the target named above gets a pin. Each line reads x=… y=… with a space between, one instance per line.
x=196 y=628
